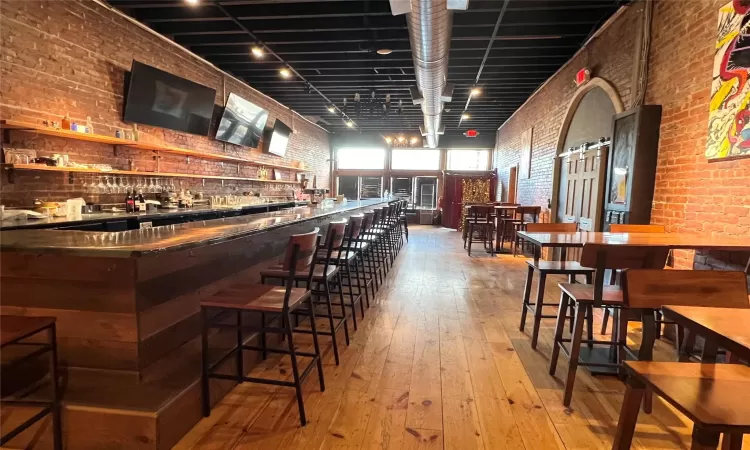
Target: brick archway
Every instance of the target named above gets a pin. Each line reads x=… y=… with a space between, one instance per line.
x=595 y=82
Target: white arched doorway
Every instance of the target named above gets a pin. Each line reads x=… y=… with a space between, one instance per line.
x=579 y=175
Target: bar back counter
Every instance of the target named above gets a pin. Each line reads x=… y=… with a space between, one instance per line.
x=128 y=314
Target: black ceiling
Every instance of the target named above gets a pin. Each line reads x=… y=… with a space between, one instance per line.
x=332 y=44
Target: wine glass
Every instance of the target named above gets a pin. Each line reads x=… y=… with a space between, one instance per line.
x=101 y=187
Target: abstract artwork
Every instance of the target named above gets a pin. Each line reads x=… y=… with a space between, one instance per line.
x=729 y=118
x=525 y=166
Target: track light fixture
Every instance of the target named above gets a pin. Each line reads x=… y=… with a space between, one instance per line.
x=257 y=51
x=285 y=73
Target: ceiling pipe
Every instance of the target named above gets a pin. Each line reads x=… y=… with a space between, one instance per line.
x=430 y=23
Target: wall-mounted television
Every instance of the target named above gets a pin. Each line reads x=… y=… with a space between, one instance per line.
x=279 y=139
x=158 y=98
x=242 y=122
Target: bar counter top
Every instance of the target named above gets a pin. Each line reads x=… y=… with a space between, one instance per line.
x=135 y=243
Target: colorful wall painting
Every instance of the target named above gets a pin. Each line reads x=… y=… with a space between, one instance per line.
x=729 y=118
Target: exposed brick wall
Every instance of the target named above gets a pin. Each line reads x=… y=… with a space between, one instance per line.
x=72 y=56
x=691 y=195
x=610 y=57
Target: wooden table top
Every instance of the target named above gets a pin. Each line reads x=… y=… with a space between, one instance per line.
x=729 y=327
x=671 y=240
x=15 y=328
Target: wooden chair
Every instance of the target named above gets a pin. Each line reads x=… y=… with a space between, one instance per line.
x=714 y=396
x=585 y=297
x=520 y=222
x=325 y=276
x=694 y=389
x=481 y=218
x=260 y=298
x=569 y=268
x=15 y=331
x=628 y=228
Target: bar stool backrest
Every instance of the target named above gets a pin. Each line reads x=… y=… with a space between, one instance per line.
x=551 y=227
x=523 y=211
x=627 y=228
x=336 y=234
x=330 y=233
x=376 y=216
x=609 y=256
x=305 y=250
x=652 y=289
x=482 y=211
x=355 y=226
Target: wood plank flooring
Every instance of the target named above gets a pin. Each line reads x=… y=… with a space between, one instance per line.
x=438 y=363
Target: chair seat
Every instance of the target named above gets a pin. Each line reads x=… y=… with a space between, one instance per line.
x=336 y=255
x=255 y=297
x=708 y=394
x=13 y=328
x=278 y=271
x=584 y=293
x=560 y=267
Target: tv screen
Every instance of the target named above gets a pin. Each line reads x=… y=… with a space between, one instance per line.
x=158 y=98
x=242 y=122
x=279 y=138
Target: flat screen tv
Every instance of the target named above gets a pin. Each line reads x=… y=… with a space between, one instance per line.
x=158 y=98
x=242 y=122
x=279 y=139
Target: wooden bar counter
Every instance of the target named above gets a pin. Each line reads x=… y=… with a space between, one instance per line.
x=128 y=315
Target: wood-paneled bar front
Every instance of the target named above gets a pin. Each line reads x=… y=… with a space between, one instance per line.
x=128 y=314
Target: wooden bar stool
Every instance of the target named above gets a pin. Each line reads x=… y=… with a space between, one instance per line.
x=402 y=218
x=481 y=218
x=520 y=222
x=713 y=396
x=569 y=268
x=346 y=259
x=585 y=297
x=325 y=276
x=260 y=298
x=13 y=332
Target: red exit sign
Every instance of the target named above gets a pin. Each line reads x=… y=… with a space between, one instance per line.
x=471 y=133
x=583 y=76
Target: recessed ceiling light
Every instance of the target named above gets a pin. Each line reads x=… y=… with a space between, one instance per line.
x=401 y=139
x=192 y=2
x=331 y=109
x=285 y=73
x=349 y=123
x=388 y=139
x=384 y=51
x=257 y=51
x=465 y=117
x=414 y=141
x=475 y=92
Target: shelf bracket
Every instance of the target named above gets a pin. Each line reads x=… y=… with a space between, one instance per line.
x=222 y=183
x=6 y=136
x=114 y=150
x=11 y=176
x=188 y=160
x=70 y=177
x=238 y=169
x=203 y=181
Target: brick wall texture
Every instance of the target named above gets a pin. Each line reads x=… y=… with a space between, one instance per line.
x=59 y=57
x=691 y=194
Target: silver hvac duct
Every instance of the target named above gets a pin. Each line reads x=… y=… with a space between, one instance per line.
x=430 y=23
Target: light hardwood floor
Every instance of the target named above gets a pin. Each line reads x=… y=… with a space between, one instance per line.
x=438 y=363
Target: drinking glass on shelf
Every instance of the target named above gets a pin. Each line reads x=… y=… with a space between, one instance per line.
x=101 y=187
x=109 y=185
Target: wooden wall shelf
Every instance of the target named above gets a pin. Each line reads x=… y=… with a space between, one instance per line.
x=49 y=131
x=43 y=168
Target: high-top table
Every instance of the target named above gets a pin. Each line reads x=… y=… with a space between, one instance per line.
x=727 y=328
x=688 y=241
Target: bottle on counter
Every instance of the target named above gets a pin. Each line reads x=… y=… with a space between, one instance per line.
x=141 y=201
x=65 y=125
x=130 y=202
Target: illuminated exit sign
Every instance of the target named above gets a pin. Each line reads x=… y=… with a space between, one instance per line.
x=471 y=133
x=583 y=76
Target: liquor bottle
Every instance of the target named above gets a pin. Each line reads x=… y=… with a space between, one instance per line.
x=141 y=201
x=130 y=202
x=65 y=125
